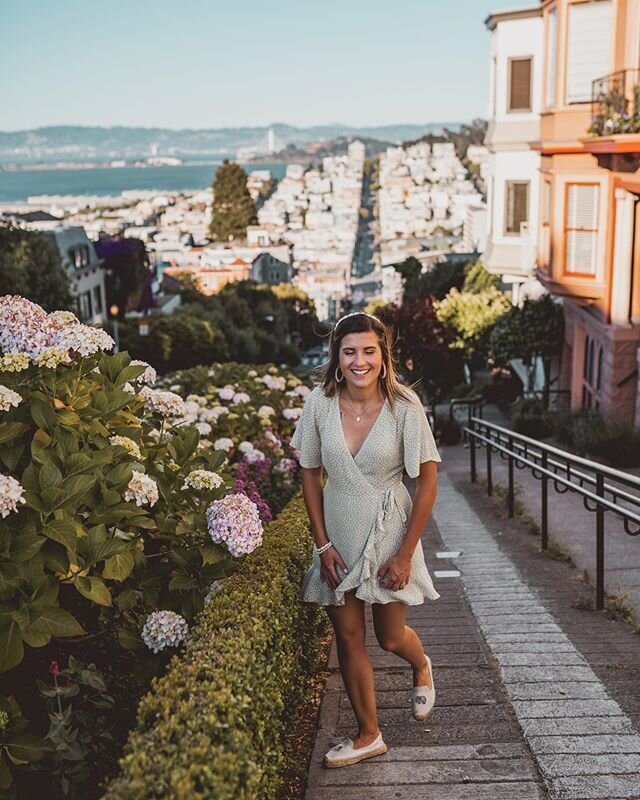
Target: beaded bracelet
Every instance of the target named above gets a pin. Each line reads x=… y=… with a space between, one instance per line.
x=324 y=548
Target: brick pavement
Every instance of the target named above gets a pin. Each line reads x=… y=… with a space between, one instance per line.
x=535 y=699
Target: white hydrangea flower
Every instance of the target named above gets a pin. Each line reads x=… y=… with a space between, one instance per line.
x=10 y=495
x=292 y=413
x=275 y=383
x=50 y=357
x=63 y=318
x=202 y=479
x=149 y=376
x=285 y=465
x=142 y=489
x=164 y=629
x=82 y=339
x=240 y=397
x=205 y=444
x=266 y=411
x=127 y=444
x=226 y=392
x=302 y=390
x=9 y=398
x=270 y=436
x=245 y=447
x=203 y=428
x=14 y=362
x=128 y=387
x=254 y=455
x=234 y=520
x=175 y=387
x=223 y=444
x=252 y=373
x=167 y=404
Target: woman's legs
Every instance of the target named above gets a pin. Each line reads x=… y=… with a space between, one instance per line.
x=396 y=637
x=355 y=665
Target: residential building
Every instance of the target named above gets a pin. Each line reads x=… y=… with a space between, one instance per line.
x=268 y=269
x=84 y=269
x=589 y=232
x=512 y=172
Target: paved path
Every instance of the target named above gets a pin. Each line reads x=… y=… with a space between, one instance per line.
x=521 y=710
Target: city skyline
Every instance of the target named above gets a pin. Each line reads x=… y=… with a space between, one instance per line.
x=410 y=62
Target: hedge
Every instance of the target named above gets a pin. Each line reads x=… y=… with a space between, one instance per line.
x=214 y=725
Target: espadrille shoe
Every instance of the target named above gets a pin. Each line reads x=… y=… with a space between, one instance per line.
x=345 y=754
x=423 y=698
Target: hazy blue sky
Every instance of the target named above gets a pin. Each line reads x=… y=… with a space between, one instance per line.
x=216 y=63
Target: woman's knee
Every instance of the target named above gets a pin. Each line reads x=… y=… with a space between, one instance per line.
x=350 y=636
x=391 y=641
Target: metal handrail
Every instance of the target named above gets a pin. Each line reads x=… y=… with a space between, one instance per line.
x=474 y=402
x=571 y=472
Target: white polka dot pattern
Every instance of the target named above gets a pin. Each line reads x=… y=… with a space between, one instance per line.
x=366 y=505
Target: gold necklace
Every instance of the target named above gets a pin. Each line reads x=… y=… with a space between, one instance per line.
x=364 y=410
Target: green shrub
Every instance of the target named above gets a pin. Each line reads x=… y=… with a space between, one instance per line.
x=588 y=434
x=214 y=725
x=529 y=418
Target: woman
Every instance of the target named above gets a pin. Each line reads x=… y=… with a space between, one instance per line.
x=364 y=427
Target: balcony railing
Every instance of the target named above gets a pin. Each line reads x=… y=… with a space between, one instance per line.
x=615 y=103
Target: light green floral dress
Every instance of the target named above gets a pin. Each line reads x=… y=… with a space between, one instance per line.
x=366 y=505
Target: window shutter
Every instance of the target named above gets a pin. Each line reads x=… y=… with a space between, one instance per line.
x=581 y=228
x=588 y=48
x=520 y=84
x=552 y=47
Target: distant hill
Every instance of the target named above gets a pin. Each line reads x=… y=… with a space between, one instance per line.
x=77 y=143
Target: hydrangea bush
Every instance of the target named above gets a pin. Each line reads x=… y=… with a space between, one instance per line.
x=104 y=489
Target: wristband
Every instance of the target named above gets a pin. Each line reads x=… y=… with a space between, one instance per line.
x=324 y=548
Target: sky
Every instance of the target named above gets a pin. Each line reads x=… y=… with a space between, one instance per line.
x=232 y=63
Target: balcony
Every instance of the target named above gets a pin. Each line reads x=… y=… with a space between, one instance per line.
x=614 y=133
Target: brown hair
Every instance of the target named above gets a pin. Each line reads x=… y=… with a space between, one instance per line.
x=361 y=322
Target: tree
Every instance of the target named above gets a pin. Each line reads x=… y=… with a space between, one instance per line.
x=436 y=281
x=534 y=331
x=127 y=263
x=421 y=346
x=477 y=279
x=471 y=317
x=30 y=266
x=233 y=208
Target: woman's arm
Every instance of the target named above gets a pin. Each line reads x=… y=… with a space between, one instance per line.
x=396 y=571
x=312 y=493
x=331 y=559
x=423 y=500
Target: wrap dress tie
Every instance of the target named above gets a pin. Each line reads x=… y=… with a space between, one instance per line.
x=366 y=505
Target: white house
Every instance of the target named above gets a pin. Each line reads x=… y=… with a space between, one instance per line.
x=512 y=172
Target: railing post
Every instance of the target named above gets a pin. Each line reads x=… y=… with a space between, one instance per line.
x=510 y=497
x=472 y=455
x=600 y=544
x=545 y=507
x=489 y=474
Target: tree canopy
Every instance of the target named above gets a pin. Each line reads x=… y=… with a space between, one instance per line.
x=127 y=262
x=471 y=317
x=30 y=266
x=233 y=208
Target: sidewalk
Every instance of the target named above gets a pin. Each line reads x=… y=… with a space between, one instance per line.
x=570 y=524
x=535 y=698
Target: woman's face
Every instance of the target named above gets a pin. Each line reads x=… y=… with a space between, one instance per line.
x=360 y=359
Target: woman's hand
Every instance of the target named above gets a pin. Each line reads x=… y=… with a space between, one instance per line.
x=330 y=562
x=394 y=574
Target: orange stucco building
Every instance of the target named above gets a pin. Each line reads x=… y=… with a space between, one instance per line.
x=589 y=229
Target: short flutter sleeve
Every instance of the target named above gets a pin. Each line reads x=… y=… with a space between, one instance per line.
x=419 y=444
x=306 y=437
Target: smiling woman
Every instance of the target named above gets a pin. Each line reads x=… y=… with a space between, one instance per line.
x=365 y=429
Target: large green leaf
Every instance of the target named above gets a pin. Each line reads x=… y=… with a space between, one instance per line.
x=6 y=778
x=11 y=430
x=62 y=531
x=119 y=566
x=211 y=553
x=42 y=411
x=11 y=647
x=93 y=589
x=182 y=583
x=76 y=487
x=11 y=456
x=27 y=748
x=49 y=476
x=56 y=621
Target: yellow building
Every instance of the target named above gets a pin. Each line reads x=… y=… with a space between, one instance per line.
x=589 y=228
